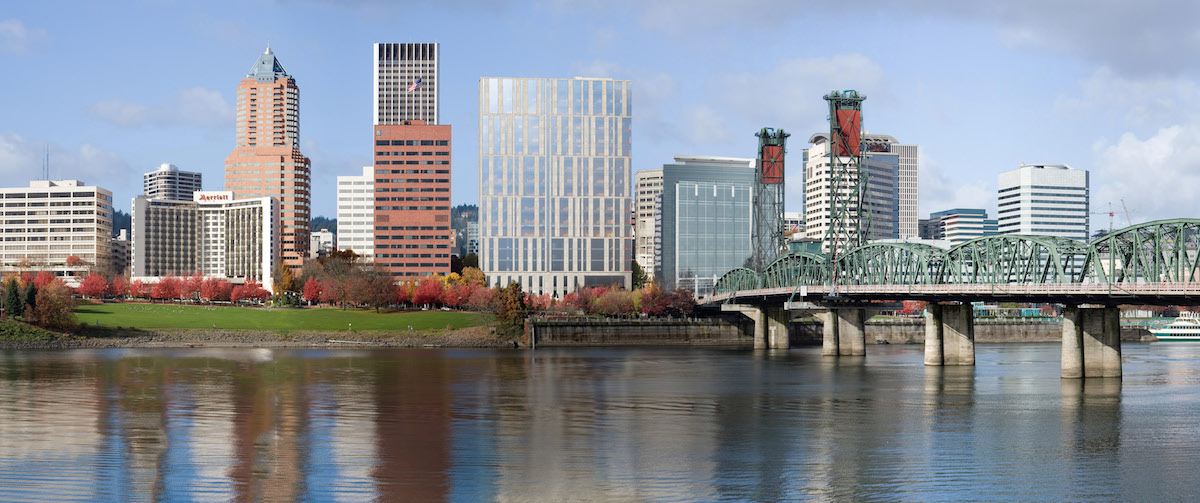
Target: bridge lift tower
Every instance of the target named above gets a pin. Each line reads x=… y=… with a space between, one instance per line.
x=768 y=232
x=849 y=217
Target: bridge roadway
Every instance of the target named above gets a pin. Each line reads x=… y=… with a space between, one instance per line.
x=1091 y=326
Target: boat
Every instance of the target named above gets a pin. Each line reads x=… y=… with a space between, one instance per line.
x=1185 y=328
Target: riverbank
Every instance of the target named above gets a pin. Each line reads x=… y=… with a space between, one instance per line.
x=471 y=337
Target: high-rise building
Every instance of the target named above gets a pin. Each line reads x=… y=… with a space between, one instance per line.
x=356 y=213
x=705 y=220
x=405 y=83
x=959 y=225
x=169 y=182
x=647 y=187
x=554 y=176
x=266 y=159
x=213 y=234
x=412 y=231
x=891 y=187
x=50 y=221
x=1045 y=199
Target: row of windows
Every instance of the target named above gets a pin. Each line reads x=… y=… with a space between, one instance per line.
x=385 y=152
x=1018 y=187
x=412 y=142
x=411 y=208
x=412 y=180
x=412 y=199
x=413 y=162
x=407 y=172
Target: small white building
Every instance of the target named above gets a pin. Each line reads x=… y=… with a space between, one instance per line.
x=356 y=213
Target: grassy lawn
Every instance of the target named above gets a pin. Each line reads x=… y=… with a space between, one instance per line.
x=151 y=316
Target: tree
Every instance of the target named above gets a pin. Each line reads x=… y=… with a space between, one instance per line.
x=55 y=307
x=167 y=288
x=615 y=302
x=471 y=260
x=285 y=281
x=654 y=302
x=137 y=289
x=429 y=291
x=404 y=292
x=312 y=290
x=456 y=264
x=119 y=286
x=639 y=275
x=43 y=278
x=374 y=289
x=189 y=287
x=473 y=276
x=13 y=306
x=681 y=302
x=75 y=261
x=510 y=310
x=480 y=298
x=31 y=295
x=94 y=285
x=215 y=289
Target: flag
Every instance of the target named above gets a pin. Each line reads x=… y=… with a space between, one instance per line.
x=415 y=85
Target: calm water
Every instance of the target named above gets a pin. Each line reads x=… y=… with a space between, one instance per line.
x=594 y=425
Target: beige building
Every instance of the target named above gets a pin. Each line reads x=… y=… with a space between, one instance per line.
x=647 y=187
x=51 y=220
x=214 y=234
x=356 y=213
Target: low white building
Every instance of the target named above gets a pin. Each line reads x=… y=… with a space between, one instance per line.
x=356 y=213
x=45 y=224
x=322 y=243
x=214 y=234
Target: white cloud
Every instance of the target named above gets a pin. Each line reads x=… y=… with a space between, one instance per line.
x=1157 y=177
x=791 y=91
x=1144 y=100
x=705 y=126
x=196 y=106
x=21 y=159
x=16 y=38
x=938 y=191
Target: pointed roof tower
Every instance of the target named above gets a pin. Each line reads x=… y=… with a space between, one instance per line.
x=267 y=68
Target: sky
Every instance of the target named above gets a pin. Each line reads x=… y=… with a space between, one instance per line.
x=113 y=89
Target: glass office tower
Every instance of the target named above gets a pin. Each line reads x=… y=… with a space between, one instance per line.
x=554 y=178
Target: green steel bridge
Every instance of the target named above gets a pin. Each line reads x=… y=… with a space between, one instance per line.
x=1151 y=263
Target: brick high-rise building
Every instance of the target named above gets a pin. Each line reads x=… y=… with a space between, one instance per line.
x=412 y=199
x=266 y=159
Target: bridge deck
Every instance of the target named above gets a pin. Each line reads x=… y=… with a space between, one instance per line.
x=1168 y=293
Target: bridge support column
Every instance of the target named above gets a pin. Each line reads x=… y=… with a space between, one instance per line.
x=851 y=332
x=1091 y=342
x=829 y=333
x=777 y=319
x=949 y=335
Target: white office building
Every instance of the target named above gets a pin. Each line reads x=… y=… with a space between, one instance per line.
x=554 y=178
x=169 y=182
x=647 y=187
x=356 y=213
x=324 y=242
x=45 y=224
x=214 y=234
x=892 y=170
x=1045 y=200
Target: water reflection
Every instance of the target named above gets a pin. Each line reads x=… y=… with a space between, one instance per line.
x=592 y=425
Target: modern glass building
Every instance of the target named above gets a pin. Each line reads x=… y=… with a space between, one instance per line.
x=960 y=224
x=705 y=220
x=554 y=179
x=1046 y=200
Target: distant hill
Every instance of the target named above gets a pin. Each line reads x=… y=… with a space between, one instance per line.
x=459 y=216
x=122 y=220
x=319 y=223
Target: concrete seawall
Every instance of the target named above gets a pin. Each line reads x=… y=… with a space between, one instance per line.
x=736 y=331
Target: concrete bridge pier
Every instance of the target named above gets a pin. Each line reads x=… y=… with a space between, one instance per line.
x=1091 y=345
x=949 y=334
x=843 y=332
x=770 y=324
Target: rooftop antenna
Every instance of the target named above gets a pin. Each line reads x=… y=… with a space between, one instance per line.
x=46 y=162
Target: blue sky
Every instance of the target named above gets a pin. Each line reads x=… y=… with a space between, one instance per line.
x=114 y=89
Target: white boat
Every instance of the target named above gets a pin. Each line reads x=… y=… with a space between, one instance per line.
x=1185 y=328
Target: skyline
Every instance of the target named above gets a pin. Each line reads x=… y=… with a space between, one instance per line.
x=981 y=89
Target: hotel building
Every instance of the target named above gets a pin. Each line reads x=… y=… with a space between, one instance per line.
x=266 y=160
x=213 y=234
x=554 y=176
x=356 y=213
x=1046 y=200
x=44 y=224
x=169 y=182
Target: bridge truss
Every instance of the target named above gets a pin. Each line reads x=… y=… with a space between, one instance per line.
x=1161 y=253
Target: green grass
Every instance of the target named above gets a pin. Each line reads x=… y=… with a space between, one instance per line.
x=152 y=316
x=15 y=331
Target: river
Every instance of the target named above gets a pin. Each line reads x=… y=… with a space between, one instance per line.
x=640 y=424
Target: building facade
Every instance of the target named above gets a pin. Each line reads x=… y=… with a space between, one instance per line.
x=959 y=225
x=356 y=213
x=554 y=175
x=324 y=242
x=472 y=244
x=45 y=224
x=647 y=187
x=169 y=182
x=266 y=159
x=405 y=83
x=705 y=221
x=213 y=234
x=412 y=234
x=1046 y=200
x=892 y=171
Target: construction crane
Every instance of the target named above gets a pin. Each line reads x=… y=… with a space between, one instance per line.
x=1112 y=212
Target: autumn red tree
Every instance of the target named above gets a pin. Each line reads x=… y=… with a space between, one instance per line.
x=75 y=261
x=312 y=290
x=429 y=290
x=137 y=289
x=167 y=288
x=189 y=287
x=480 y=298
x=251 y=290
x=119 y=286
x=215 y=289
x=94 y=285
x=42 y=279
x=404 y=292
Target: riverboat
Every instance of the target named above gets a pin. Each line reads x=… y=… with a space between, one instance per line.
x=1185 y=328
